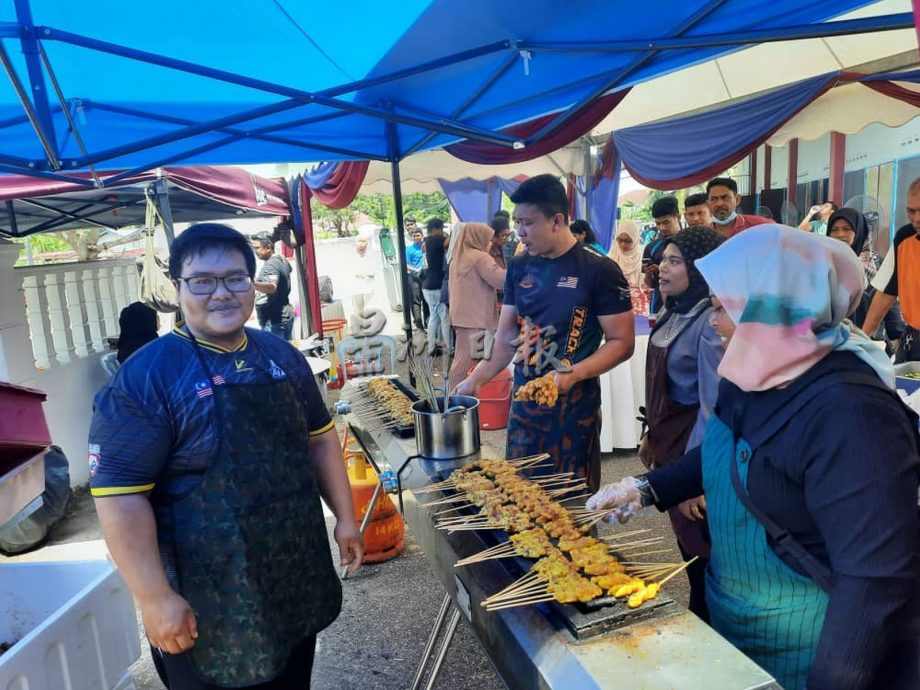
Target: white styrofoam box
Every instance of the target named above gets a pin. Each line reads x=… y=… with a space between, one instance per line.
x=73 y=624
x=908 y=385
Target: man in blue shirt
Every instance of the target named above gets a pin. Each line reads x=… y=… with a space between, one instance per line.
x=208 y=452
x=415 y=260
x=562 y=299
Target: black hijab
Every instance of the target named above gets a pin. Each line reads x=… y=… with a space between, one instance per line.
x=857 y=221
x=137 y=326
x=694 y=243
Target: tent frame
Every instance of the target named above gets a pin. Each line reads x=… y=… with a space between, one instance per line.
x=40 y=116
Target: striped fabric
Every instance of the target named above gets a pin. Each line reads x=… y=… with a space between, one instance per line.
x=759 y=604
x=789 y=293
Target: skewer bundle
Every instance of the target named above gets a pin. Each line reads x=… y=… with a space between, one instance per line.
x=572 y=566
x=542 y=391
x=380 y=404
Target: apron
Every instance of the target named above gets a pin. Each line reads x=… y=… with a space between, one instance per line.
x=756 y=601
x=669 y=427
x=570 y=432
x=249 y=542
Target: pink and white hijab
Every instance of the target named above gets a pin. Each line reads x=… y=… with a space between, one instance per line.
x=789 y=293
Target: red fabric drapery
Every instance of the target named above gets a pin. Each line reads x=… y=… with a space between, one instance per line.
x=342 y=186
x=893 y=90
x=583 y=122
x=311 y=277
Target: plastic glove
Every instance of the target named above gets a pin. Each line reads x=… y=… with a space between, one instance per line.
x=624 y=498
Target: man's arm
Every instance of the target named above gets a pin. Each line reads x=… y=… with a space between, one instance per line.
x=620 y=341
x=326 y=454
x=502 y=353
x=130 y=532
x=881 y=304
x=270 y=276
x=267 y=287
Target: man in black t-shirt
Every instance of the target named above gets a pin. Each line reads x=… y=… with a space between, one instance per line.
x=561 y=300
x=438 y=319
x=273 y=287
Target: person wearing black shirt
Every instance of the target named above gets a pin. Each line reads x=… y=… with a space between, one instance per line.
x=561 y=300
x=273 y=287
x=667 y=219
x=438 y=319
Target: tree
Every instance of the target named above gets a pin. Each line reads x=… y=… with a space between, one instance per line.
x=339 y=221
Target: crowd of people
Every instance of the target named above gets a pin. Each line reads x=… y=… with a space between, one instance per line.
x=774 y=436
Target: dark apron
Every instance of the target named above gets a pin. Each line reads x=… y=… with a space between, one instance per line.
x=250 y=544
x=669 y=429
x=570 y=432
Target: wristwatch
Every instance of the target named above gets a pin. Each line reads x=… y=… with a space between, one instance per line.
x=646 y=491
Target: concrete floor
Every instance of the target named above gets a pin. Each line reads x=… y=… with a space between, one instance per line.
x=377 y=641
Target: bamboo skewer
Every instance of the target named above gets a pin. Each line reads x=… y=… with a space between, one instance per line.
x=678 y=570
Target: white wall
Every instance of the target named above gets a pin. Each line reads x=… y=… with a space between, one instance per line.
x=69 y=407
x=779 y=167
x=877 y=144
x=814 y=159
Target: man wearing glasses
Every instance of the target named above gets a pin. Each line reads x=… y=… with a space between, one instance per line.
x=273 y=287
x=209 y=452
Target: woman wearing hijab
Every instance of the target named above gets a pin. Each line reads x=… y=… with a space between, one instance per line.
x=850 y=227
x=681 y=383
x=810 y=471
x=137 y=326
x=627 y=252
x=474 y=280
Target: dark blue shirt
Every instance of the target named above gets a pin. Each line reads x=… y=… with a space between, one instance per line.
x=842 y=478
x=562 y=298
x=154 y=426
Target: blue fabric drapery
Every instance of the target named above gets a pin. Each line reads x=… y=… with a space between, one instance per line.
x=605 y=190
x=689 y=150
x=477 y=200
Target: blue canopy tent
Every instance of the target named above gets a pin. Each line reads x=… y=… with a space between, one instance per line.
x=110 y=84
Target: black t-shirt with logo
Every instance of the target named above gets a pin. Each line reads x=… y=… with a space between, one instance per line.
x=271 y=308
x=562 y=298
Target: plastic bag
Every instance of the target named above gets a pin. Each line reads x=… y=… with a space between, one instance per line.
x=156 y=289
x=28 y=528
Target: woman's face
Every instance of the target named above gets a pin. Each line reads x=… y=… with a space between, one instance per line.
x=580 y=236
x=721 y=321
x=625 y=242
x=673 y=279
x=843 y=231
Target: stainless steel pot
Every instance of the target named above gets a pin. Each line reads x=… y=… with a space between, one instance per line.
x=447 y=435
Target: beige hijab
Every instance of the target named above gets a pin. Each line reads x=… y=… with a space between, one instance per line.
x=472 y=243
x=630 y=262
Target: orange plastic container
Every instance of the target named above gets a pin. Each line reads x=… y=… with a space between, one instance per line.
x=384 y=537
x=495 y=402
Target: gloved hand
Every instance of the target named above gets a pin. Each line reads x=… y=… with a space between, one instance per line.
x=625 y=498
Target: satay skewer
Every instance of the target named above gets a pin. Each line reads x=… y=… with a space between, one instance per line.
x=678 y=570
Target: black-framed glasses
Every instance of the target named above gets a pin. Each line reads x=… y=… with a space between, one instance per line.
x=207 y=285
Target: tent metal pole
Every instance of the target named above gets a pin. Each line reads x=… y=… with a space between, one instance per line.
x=262 y=134
x=28 y=38
x=161 y=199
x=393 y=145
x=14 y=226
x=440 y=124
x=742 y=37
x=65 y=110
x=47 y=144
x=306 y=313
x=15 y=169
x=559 y=121
x=475 y=96
x=66 y=214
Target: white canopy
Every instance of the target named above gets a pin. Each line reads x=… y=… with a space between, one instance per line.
x=771 y=65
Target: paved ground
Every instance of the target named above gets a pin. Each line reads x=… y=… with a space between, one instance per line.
x=389 y=608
